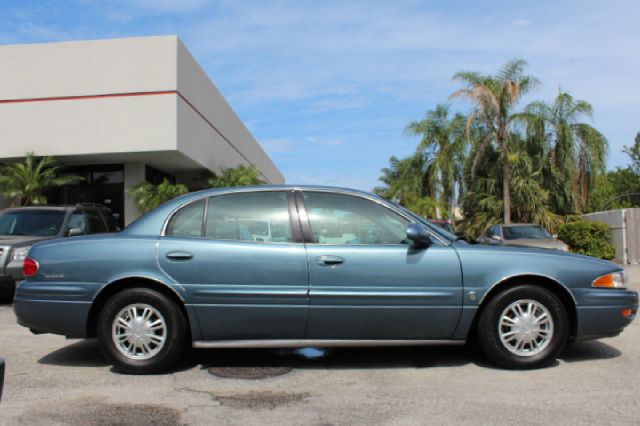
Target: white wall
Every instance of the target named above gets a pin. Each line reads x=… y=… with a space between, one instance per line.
x=134 y=173
x=616 y=221
x=205 y=97
x=34 y=77
x=79 y=68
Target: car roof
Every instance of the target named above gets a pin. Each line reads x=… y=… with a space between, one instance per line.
x=57 y=207
x=152 y=222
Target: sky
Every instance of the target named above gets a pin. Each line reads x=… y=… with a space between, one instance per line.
x=328 y=87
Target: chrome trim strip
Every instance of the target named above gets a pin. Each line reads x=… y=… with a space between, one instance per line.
x=323 y=343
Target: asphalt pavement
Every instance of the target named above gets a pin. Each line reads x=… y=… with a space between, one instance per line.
x=53 y=381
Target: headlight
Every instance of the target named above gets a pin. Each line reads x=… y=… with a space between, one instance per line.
x=19 y=254
x=615 y=280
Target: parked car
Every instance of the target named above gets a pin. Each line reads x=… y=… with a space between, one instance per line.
x=21 y=227
x=338 y=267
x=522 y=234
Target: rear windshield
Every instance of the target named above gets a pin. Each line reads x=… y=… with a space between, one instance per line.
x=525 y=232
x=37 y=223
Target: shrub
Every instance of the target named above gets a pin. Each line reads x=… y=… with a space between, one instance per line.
x=590 y=238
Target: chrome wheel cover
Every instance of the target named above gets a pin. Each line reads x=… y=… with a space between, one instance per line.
x=525 y=327
x=139 y=331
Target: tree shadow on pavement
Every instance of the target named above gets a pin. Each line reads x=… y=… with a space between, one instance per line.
x=83 y=353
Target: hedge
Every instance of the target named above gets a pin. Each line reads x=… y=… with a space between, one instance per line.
x=589 y=238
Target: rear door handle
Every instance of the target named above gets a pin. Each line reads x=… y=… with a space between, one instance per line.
x=180 y=256
x=328 y=260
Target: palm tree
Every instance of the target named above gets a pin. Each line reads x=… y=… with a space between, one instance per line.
x=148 y=196
x=26 y=181
x=577 y=151
x=407 y=177
x=236 y=176
x=495 y=97
x=443 y=140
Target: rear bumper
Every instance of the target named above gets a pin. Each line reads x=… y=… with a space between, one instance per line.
x=603 y=315
x=56 y=317
x=57 y=309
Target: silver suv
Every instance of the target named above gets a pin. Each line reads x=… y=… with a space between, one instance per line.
x=21 y=227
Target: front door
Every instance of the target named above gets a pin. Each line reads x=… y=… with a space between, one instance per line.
x=368 y=282
x=241 y=264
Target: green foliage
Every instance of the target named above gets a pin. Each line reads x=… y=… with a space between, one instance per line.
x=617 y=189
x=236 y=176
x=426 y=207
x=494 y=98
x=148 y=196
x=634 y=153
x=26 y=181
x=589 y=238
x=443 y=142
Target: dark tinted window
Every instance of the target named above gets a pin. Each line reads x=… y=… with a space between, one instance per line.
x=95 y=225
x=251 y=216
x=345 y=219
x=187 y=222
x=44 y=223
x=525 y=232
x=112 y=225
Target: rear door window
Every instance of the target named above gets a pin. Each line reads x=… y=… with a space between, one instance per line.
x=252 y=216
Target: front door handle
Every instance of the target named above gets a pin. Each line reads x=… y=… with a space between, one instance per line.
x=180 y=256
x=329 y=260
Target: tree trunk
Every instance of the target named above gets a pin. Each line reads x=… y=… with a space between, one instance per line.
x=506 y=176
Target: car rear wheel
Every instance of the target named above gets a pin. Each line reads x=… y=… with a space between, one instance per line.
x=523 y=327
x=141 y=331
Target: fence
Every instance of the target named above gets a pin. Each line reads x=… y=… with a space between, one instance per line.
x=624 y=227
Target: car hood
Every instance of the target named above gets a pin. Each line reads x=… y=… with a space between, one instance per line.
x=507 y=251
x=537 y=242
x=20 y=240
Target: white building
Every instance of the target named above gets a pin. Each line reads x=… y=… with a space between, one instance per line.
x=118 y=112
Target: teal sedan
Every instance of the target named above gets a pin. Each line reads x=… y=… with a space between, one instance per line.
x=294 y=266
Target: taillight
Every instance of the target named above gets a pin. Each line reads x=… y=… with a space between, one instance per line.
x=29 y=267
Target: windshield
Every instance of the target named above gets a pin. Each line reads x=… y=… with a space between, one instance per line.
x=37 y=223
x=525 y=232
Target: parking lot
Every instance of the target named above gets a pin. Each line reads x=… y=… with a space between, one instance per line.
x=51 y=380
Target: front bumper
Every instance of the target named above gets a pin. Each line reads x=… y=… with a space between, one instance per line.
x=601 y=313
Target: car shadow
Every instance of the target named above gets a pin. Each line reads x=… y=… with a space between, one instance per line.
x=86 y=353
x=336 y=358
x=83 y=353
x=589 y=350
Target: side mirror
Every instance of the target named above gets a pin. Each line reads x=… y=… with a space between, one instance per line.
x=496 y=237
x=418 y=234
x=74 y=232
x=554 y=236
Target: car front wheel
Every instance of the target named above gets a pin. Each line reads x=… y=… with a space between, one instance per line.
x=523 y=327
x=141 y=331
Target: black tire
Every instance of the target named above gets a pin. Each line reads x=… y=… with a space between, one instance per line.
x=175 y=330
x=7 y=292
x=489 y=329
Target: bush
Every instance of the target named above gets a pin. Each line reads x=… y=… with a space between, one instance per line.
x=590 y=238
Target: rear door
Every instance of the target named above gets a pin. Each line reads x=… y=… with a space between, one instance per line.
x=242 y=264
